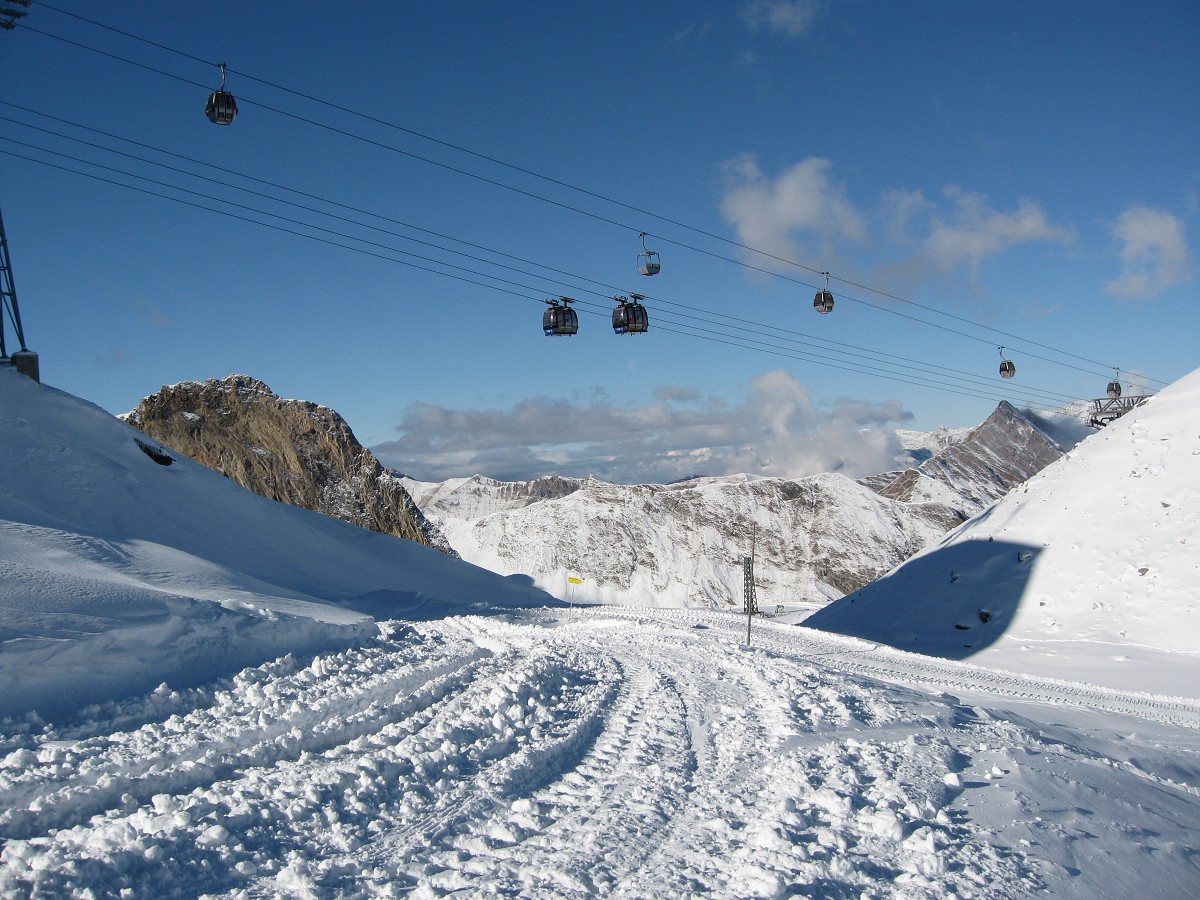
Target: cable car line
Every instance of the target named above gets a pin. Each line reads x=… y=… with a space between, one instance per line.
x=695 y=331
x=738 y=323
x=896 y=312
x=834 y=345
x=593 y=194
x=356 y=137
x=553 y=181
x=1049 y=397
x=1031 y=396
x=952 y=388
x=251 y=221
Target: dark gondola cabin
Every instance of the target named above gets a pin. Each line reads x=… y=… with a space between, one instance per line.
x=1114 y=389
x=823 y=301
x=559 y=320
x=221 y=108
x=630 y=316
x=1007 y=368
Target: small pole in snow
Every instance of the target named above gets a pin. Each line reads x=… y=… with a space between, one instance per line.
x=751 y=604
x=748 y=571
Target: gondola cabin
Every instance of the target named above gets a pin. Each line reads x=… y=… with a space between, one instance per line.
x=221 y=108
x=1007 y=369
x=648 y=262
x=630 y=316
x=559 y=320
x=823 y=302
x=1114 y=389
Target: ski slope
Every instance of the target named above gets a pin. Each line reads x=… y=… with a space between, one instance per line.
x=208 y=694
x=601 y=752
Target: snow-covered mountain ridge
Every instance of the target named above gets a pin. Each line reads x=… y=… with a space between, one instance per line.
x=813 y=539
x=109 y=541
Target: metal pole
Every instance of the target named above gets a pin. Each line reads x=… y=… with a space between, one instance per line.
x=8 y=294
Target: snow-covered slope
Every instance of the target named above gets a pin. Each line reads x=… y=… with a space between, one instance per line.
x=1090 y=571
x=191 y=574
x=544 y=752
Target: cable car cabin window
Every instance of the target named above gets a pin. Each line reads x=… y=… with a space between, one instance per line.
x=221 y=108
x=823 y=302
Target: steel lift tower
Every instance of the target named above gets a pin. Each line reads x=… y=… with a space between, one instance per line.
x=24 y=360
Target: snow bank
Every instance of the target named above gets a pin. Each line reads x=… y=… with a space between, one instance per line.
x=123 y=565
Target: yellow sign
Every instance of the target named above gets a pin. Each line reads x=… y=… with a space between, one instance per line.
x=574 y=580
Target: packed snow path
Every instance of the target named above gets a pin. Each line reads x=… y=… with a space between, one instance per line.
x=603 y=752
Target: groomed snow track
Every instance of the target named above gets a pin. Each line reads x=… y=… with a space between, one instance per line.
x=597 y=752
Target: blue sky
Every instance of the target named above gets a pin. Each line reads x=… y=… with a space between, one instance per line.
x=970 y=174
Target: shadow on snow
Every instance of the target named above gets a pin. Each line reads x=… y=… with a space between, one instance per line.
x=951 y=603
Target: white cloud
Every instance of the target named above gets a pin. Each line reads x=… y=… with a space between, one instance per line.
x=805 y=216
x=973 y=230
x=786 y=18
x=899 y=211
x=784 y=217
x=774 y=430
x=1154 y=253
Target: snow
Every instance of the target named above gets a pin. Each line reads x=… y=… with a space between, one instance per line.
x=210 y=694
x=1088 y=572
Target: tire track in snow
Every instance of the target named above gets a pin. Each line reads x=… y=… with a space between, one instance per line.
x=602 y=811
x=745 y=785
x=857 y=657
x=610 y=753
x=308 y=765
x=246 y=726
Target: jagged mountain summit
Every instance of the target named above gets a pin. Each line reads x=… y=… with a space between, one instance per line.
x=293 y=451
x=813 y=539
x=973 y=470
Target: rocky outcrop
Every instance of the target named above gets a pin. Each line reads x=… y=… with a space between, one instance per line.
x=293 y=451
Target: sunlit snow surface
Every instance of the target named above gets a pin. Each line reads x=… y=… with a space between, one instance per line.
x=1090 y=571
x=487 y=749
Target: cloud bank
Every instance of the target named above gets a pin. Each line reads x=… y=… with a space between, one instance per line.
x=776 y=430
